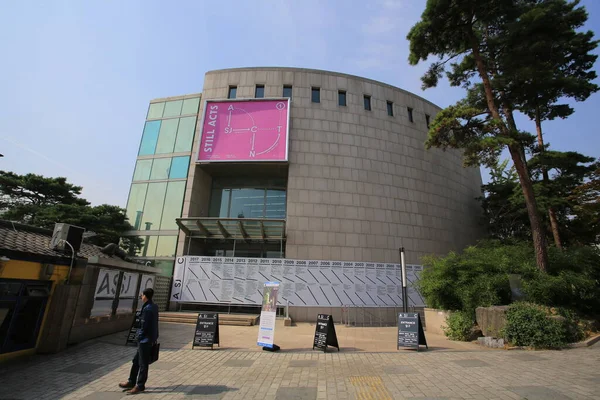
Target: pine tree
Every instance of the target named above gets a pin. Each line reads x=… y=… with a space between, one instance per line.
x=478 y=39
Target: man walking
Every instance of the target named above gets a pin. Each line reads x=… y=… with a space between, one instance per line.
x=147 y=335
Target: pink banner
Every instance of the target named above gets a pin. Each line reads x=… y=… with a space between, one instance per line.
x=245 y=130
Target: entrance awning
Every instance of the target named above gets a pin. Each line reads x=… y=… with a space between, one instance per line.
x=233 y=228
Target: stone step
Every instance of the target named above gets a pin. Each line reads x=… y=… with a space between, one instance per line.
x=224 y=319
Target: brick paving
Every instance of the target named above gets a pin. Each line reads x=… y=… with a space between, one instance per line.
x=93 y=369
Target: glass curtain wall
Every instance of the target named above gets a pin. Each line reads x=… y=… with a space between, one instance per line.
x=159 y=178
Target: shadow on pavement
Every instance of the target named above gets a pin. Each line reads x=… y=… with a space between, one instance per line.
x=205 y=390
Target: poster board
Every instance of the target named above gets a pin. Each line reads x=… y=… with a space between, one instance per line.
x=268 y=314
x=237 y=280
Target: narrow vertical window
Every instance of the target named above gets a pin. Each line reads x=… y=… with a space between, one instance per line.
x=316 y=95
x=427 y=120
x=410 y=114
x=367 y=100
x=287 y=91
x=259 y=92
x=232 y=92
x=342 y=98
x=390 y=108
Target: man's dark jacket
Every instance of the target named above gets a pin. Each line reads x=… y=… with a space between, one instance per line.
x=148 y=331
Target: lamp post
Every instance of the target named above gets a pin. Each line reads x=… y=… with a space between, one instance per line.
x=404 y=293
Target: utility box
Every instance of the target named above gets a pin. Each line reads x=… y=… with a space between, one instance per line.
x=67 y=233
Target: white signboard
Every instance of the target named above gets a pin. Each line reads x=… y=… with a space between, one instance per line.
x=234 y=280
x=268 y=314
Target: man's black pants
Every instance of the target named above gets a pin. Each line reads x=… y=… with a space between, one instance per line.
x=139 y=369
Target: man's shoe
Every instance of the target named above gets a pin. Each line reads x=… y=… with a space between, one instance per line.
x=135 y=390
x=126 y=385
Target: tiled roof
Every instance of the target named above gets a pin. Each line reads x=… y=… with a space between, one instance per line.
x=34 y=240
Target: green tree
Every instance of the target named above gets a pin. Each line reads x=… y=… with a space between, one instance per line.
x=572 y=191
x=502 y=204
x=22 y=196
x=484 y=39
x=41 y=201
x=559 y=66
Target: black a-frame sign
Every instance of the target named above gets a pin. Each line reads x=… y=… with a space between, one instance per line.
x=135 y=325
x=207 y=330
x=410 y=331
x=325 y=333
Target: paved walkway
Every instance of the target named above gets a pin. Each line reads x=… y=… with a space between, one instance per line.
x=92 y=370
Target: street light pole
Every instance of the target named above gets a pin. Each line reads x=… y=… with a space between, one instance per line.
x=404 y=293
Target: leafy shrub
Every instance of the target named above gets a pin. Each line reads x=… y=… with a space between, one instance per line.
x=529 y=324
x=576 y=329
x=459 y=326
x=478 y=277
x=572 y=281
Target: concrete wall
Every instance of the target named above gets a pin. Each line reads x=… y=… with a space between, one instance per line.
x=435 y=320
x=360 y=183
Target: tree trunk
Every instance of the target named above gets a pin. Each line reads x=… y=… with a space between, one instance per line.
x=537 y=231
x=516 y=152
x=546 y=177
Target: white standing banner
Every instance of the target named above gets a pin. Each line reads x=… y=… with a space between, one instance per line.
x=238 y=280
x=268 y=314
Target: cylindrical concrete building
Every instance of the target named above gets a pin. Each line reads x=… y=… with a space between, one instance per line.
x=359 y=183
x=352 y=181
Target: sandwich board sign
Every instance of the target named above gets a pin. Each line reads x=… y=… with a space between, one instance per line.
x=410 y=331
x=135 y=325
x=325 y=333
x=207 y=330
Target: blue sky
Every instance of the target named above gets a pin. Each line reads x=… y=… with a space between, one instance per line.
x=76 y=76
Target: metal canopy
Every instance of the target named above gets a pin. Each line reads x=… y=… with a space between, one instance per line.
x=233 y=228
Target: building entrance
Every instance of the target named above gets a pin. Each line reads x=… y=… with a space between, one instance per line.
x=22 y=307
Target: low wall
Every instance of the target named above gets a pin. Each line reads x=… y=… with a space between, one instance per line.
x=353 y=316
x=95 y=327
x=435 y=320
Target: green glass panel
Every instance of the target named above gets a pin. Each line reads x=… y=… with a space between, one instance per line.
x=185 y=134
x=149 y=138
x=166 y=246
x=148 y=246
x=190 y=106
x=135 y=205
x=155 y=110
x=166 y=136
x=173 y=108
x=179 y=167
x=165 y=266
x=173 y=205
x=160 y=168
x=153 y=206
x=142 y=170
